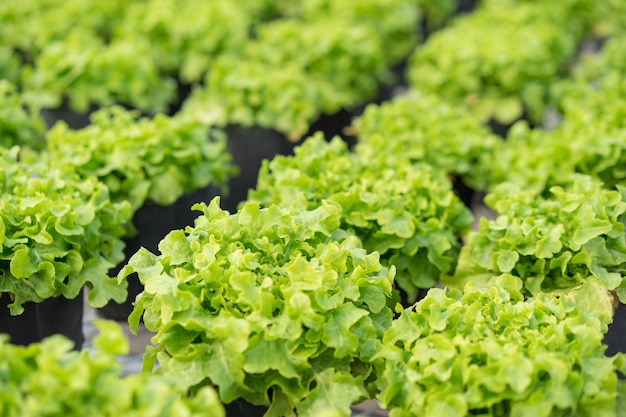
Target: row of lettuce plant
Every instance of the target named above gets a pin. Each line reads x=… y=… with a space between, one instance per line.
x=557 y=195
x=350 y=48
x=266 y=305
x=48 y=378
x=527 y=343
x=286 y=306
x=180 y=321
x=588 y=140
x=67 y=204
x=235 y=53
x=231 y=309
x=105 y=54
x=520 y=172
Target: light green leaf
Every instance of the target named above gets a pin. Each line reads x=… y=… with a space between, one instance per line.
x=111 y=339
x=506 y=260
x=508 y=110
x=270 y=354
x=337 y=332
x=24 y=263
x=175 y=247
x=333 y=395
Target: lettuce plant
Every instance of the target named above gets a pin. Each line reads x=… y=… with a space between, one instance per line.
x=396 y=23
x=143 y=159
x=277 y=306
x=590 y=138
x=595 y=90
x=272 y=84
x=29 y=25
x=58 y=233
x=536 y=160
x=612 y=17
x=487 y=351
x=499 y=61
x=18 y=125
x=553 y=242
x=424 y=128
x=84 y=70
x=407 y=212
x=49 y=379
x=185 y=46
x=250 y=93
x=585 y=15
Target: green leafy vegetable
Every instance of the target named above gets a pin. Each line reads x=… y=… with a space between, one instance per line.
x=9 y=65
x=49 y=379
x=594 y=93
x=84 y=70
x=350 y=47
x=143 y=159
x=536 y=160
x=18 y=125
x=425 y=128
x=276 y=306
x=499 y=60
x=185 y=46
x=550 y=242
x=58 y=232
x=252 y=93
x=590 y=138
x=30 y=25
x=274 y=85
x=408 y=213
x=395 y=22
x=487 y=351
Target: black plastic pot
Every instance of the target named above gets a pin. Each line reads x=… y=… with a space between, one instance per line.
x=249 y=146
x=73 y=119
x=615 y=338
x=241 y=408
x=466 y=6
x=153 y=222
x=57 y=315
x=498 y=128
x=335 y=125
x=184 y=90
